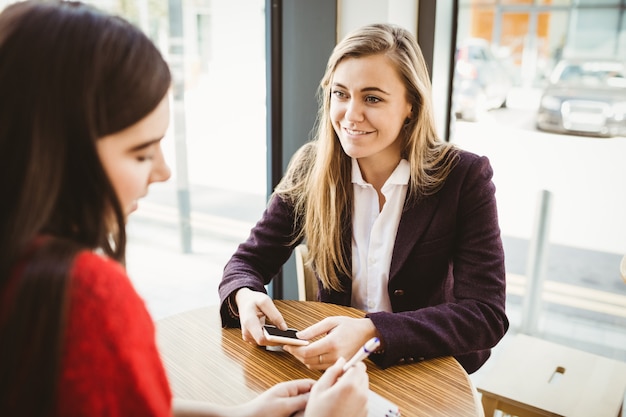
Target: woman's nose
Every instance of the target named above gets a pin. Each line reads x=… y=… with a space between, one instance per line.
x=160 y=170
x=354 y=111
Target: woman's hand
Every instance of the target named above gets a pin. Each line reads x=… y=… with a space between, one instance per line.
x=282 y=400
x=343 y=337
x=332 y=396
x=254 y=307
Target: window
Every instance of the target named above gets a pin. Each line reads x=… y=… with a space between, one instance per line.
x=559 y=145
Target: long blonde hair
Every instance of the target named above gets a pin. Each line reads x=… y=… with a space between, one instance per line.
x=318 y=180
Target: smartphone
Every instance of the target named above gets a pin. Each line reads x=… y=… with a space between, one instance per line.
x=284 y=337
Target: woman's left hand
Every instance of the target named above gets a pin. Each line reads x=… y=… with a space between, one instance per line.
x=282 y=400
x=342 y=337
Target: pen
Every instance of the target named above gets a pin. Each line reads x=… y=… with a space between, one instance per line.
x=369 y=346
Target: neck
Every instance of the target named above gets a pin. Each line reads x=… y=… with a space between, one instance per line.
x=376 y=171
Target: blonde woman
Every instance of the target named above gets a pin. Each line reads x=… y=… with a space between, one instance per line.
x=398 y=223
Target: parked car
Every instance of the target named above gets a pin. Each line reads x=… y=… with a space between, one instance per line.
x=585 y=97
x=481 y=81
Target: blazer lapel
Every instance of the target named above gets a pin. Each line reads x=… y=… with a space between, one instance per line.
x=412 y=225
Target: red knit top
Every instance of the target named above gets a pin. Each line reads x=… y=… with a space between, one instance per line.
x=110 y=365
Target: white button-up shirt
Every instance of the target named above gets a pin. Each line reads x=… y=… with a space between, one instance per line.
x=374 y=235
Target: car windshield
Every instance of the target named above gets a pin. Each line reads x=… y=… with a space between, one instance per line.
x=610 y=74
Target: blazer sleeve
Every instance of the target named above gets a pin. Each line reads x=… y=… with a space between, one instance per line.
x=461 y=254
x=259 y=259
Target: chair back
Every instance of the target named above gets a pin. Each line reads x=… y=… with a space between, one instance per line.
x=307 y=281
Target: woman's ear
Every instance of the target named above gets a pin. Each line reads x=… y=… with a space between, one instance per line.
x=410 y=116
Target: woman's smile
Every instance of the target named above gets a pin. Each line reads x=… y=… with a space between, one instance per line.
x=355 y=132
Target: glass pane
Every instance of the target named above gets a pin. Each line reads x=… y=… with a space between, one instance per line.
x=516 y=2
x=599 y=2
x=570 y=150
x=224 y=115
x=476 y=2
x=555 y=2
x=221 y=164
x=591 y=39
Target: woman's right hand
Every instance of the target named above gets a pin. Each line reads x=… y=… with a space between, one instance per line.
x=254 y=308
x=340 y=394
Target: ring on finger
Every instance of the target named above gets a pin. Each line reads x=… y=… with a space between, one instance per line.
x=320 y=358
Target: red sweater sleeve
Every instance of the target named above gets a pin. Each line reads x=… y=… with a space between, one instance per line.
x=110 y=366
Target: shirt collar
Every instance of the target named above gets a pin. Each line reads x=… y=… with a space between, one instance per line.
x=399 y=176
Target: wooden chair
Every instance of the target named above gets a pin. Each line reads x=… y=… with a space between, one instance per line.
x=307 y=282
x=533 y=377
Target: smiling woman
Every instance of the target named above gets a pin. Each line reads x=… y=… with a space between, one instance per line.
x=368 y=109
x=397 y=222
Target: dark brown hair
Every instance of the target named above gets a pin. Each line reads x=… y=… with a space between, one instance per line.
x=69 y=74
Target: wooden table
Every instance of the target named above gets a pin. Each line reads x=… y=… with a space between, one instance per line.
x=206 y=362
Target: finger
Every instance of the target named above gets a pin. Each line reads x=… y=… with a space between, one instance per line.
x=318 y=329
x=332 y=374
x=298 y=351
x=270 y=311
x=297 y=386
x=318 y=355
x=252 y=330
x=357 y=368
x=296 y=404
x=246 y=335
x=356 y=374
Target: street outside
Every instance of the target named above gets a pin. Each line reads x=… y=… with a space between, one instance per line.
x=586 y=177
x=586 y=181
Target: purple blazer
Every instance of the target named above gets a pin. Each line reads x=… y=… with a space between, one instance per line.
x=447 y=277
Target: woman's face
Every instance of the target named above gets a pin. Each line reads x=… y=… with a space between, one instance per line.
x=368 y=108
x=133 y=158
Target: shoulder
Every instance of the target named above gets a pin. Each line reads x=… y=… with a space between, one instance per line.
x=102 y=291
x=470 y=175
x=99 y=277
x=470 y=163
x=96 y=266
x=468 y=158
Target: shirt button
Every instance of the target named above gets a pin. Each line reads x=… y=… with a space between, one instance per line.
x=398 y=293
x=370 y=304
